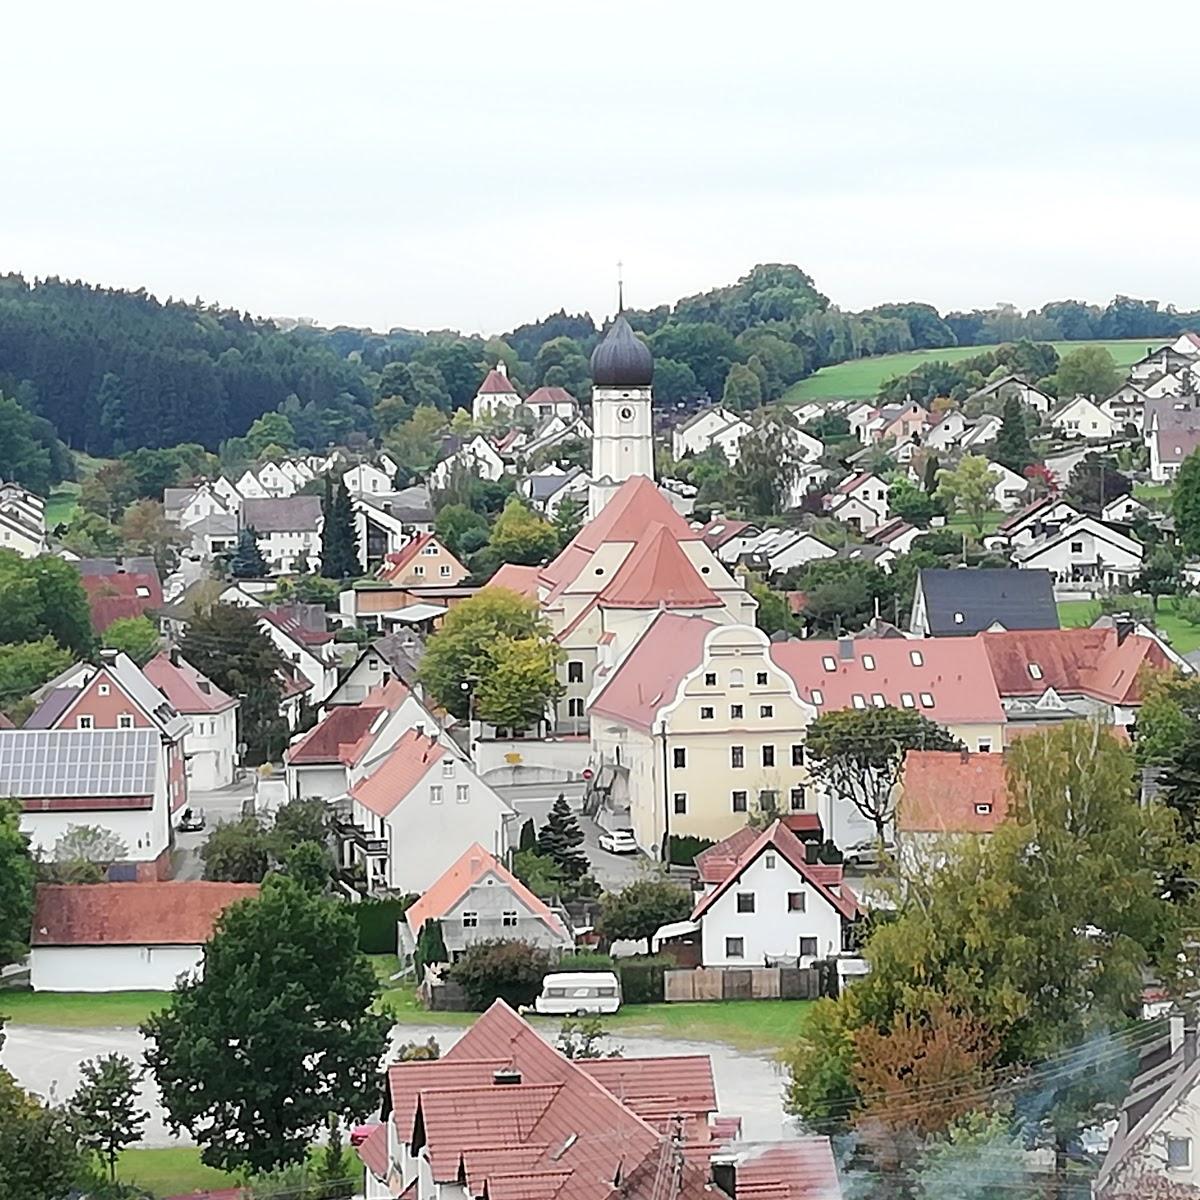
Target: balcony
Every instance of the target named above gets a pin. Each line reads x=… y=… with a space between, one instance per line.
x=347 y=831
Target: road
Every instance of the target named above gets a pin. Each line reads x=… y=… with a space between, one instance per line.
x=219 y=806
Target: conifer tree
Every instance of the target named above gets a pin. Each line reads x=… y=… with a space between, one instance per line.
x=339 y=546
x=1012 y=442
x=561 y=838
x=248 y=561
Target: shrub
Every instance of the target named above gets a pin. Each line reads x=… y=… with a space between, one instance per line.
x=1188 y=607
x=586 y=960
x=1139 y=607
x=642 y=978
x=500 y=970
x=682 y=848
x=377 y=920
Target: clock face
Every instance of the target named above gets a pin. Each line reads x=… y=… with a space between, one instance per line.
x=626 y=413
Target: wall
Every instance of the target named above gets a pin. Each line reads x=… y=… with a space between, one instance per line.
x=489 y=899
x=110 y=968
x=144 y=831
x=317 y=782
x=211 y=747
x=513 y=760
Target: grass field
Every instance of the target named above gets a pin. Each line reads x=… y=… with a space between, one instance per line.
x=80 y=1010
x=862 y=378
x=1183 y=636
x=61 y=505
x=174 y=1171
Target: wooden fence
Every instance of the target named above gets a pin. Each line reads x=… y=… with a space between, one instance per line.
x=742 y=983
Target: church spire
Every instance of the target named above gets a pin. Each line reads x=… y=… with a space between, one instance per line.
x=620 y=289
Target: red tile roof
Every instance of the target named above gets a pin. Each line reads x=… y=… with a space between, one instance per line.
x=801 y=1168
x=186 y=688
x=716 y=533
x=848 y=485
x=549 y=395
x=779 y=838
x=300 y=634
x=716 y=863
x=496 y=383
x=522 y=580
x=373 y=1150
x=657 y=1088
x=952 y=792
x=112 y=597
x=656 y=574
x=132 y=914
x=408 y=762
x=473 y=865
x=1091 y=662
x=340 y=738
x=953 y=671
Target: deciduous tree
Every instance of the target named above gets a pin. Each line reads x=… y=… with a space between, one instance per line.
x=968 y=488
x=39 y=1155
x=638 y=911
x=135 y=636
x=521 y=536
x=511 y=971
x=1185 y=503
x=1088 y=371
x=104 y=1107
x=25 y=666
x=16 y=885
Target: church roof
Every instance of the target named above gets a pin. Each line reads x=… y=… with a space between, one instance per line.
x=658 y=574
x=621 y=359
x=497 y=383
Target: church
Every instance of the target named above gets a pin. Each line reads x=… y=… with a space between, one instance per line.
x=635 y=556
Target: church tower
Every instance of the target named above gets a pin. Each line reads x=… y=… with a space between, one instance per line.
x=622 y=435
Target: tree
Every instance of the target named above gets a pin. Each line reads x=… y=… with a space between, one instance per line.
x=44 y=596
x=912 y=504
x=1095 y=481
x=16 y=885
x=539 y=873
x=561 y=362
x=1168 y=718
x=25 y=666
x=339 y=542
x=767 y=467
x=469 y=648
x=968 y=488
x=560 y=840
x=460 y=529
x=821 y=1084
x=253 y=1094
x=500 y=970
x=841 y=594
x=1160 y=574
x=337 y=1166
x=638 y=911
x=146 y=530
x=271 y=429
x=1012 y=442
x=743 y=391
x=1088 y=371
x=39 y=1156
x=247 y=561
x=84 y=853
x=773 y=615
x=673 y=381
x=858 y=755
x=569 y=517
x=431 y=946
x=237 y=851
x=523 y=680
x=1185 y=503
x=521 y=536
x=90 y=535
x=135 y=636
x=584 y=1040
x=105 y=1109
x=527 y=839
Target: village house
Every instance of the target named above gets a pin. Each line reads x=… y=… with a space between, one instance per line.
x=944 y=432
x=895 y=537
x=115 y=937
x=1009 y=493
x=547 y=402
x=860 y=501
x=999 y=390
x=268 y=481
x=548 y=488
x=1084 y=557
x=387 y=523
x=410 y=817
x=119 y=587
x=554 y=431
x=306 y=650
x=187 y=506
x=479 y=899
x=424 y=560
x=1082 y=417
x=396 y=656
x=953 y=602
x=369 y=480
x=1123 y=510
x=696 y=434
x=288 y=531
x=213 y=536
x=469 y=456
x=1036 y=521
x=22 y=521
x=776 y=551
x=727 y=537
x=1127 y=405
x=1171 y=441
x=497 y=396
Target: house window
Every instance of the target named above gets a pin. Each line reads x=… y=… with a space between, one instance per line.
x=102 y=689
x=735 y=947
x=1179 y=1153
x=907 y=701
x=958 y=618
x=768 y=801
x=444 y=569
x=710 y=679
x=575 y=671
x=435 y=793
x=915 y=657
x=828 y=663
x=1076 y=547
x=818 y=697
x=798 y=798
x=769 y=862
x=761 y=679
x=984 y=745
x=508 y=918
x=86 y=723
x=679 y=756
x=735 y=677
x=868 y=662
x=429 y=551
x=983 y=809
x=418 y=569
x=766 y=710
x=878 y=700
x=858 y=701
x=737 y=756
x=739 y=801
x=808 y=947
x=1035 y=671
x=142 y=592
x=926 y=699
x=768 y=756
x=462 y=793
x=745 y=902
x=736 y=712
x=706 y=712
x=125 y=721
x=470 y=920
x=797 y=754
x=575 y=706
x=680 y=803
x=447 y=768
x=796 y=901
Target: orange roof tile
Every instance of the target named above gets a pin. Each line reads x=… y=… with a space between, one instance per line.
x=952 y=792
x=656 y=574
x=186 y=688
x=473 y=865
x=340 y=738
x=496 y=383
x=801 y=1168
x=516 y=578
x=408 y=762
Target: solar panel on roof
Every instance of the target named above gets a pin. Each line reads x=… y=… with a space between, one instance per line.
x=36 y=764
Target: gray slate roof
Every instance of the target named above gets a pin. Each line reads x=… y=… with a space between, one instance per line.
x=986 y=596
x=282 y=514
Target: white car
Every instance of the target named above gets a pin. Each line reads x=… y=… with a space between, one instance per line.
x=618 y=841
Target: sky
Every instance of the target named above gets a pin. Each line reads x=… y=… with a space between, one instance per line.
x=475 y=166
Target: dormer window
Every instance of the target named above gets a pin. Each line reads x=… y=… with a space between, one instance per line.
x=916 y=658
x=1035 y=672
x=818 y=697
x=858 y=701
x=868 y=662
x=983 y=809
x=907 y=701
x=958 y=618
x=926 y=699
x=878 y=700
x=828 y=663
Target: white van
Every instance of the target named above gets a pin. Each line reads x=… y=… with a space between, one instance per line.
x=575 y=992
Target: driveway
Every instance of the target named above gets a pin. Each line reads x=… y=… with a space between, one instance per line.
x=219 y=806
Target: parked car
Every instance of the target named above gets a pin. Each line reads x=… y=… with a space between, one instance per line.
x=578 y=992
x=869 y=853
x=618 y=841
x=191 y=820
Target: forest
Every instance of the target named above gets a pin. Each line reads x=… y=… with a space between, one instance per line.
x=107 y=371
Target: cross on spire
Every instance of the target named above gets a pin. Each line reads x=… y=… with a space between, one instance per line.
x=620 y=288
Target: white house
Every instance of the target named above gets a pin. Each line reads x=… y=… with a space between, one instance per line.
x=860 y=500
x=116 y=937
x=417 y=810
x=775 y=551
x=771 y=907
x=475 y=456
x=21 y=535
x=1036 y=520
x=696 y=434
x=946 y=431
x=1014 y=385
x=497 y=397
x=1123 y=509
x=1084 y=418
x=288 y=529
x=859 y=417
x=729 y=439
x=368 y=480
x=1127 y=405
x=306 y=652
x=1085 y=555
x=552 y=402
x=1010 y=489
x=1171 y=442
x=981 y=431
x=896 y=535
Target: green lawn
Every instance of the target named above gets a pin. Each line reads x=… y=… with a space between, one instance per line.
x=861 y=378
x=62 y=505
x=963 y=523
x=1183 y=636
x=80 y=1010
x=1153 y=491
x=175 y=1171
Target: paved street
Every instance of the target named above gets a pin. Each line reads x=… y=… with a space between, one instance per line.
x=223 y=805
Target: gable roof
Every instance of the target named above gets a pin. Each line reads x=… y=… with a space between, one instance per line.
x=186 y=688
x=721 y=530
x=132 y=914
x=282 y=514
x=966 y=601
x=119 y=588
x=52 y=770
x=952 y=792
x=473 y=865
x=779 y=838
x=408 y=762
x=853 y=481
x=549 y=395
x=656 y=574
x=1030 y=511
x=496 y=383
x=341 y=737
x=516 y=578
x=395 y=564
x=1093 y=525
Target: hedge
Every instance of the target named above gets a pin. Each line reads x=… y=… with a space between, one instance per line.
x=642 y=978
x=377 y=921
x=683 y=848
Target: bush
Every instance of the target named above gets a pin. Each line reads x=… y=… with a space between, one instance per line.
x=500 y=970
x=1141 y=608
x=683 y=848
x=642 y=978
x=1188 y=607
x=377 y=920
x=586 y=960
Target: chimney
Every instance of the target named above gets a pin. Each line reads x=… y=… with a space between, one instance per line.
x=173 y=655
x=724 y=1175
x=1123 y=623
x=108 y=655
x=507 y=1077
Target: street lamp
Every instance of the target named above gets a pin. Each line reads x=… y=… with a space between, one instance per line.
x=468 y=685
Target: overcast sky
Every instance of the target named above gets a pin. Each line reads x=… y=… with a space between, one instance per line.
x=440 y=164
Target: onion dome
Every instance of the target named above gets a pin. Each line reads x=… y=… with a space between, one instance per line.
x=622 y=359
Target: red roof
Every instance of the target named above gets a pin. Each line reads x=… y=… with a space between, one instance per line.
x=657 y=1088
x=945 y=679
x=373 y=1150
x=340 y=738
x=300 y=634
x=116 y=596
x=473 y=865
x=717 y=862
x=394 y=565
x=5 y=723
x=1092 y=662
x=186 y=688
x=952 y=792
x=516 y=578
x=132 y=914
x=716 y=533
x=849 y=484
x=549 y=395
x=496 y=383
x=656 y=574
x=801 y=1168
x=408 y=762
x=827 y=883
x=651 y=673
